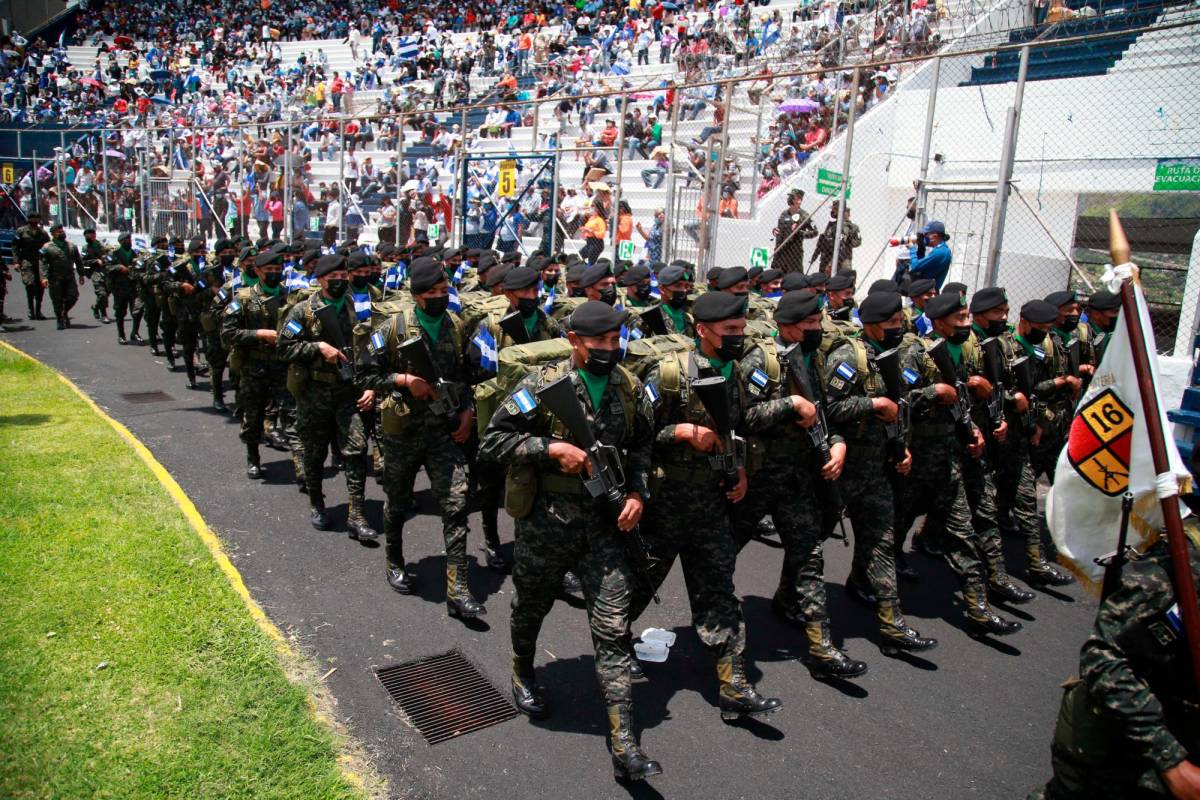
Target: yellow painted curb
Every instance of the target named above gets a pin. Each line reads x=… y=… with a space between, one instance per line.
x=192 y=514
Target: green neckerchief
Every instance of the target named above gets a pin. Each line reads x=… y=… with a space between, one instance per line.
x=430 y=324
x=274 y=292
x=1065 y=334
x=249 y=281
x=633 y=301
x=338 y=304
x=724 y=368
x=918 y=309
x=1025 y=345
x=955 y=350
x=594 y=384
x=530 y=323
x=878 y=347
x=785 y=345
x=678 y=316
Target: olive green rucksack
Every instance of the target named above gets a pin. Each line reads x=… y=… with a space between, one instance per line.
x=515 y=362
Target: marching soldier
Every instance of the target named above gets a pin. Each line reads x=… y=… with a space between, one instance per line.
x=186 y=285
x=63 y=266
x=789 y=484
x=27 y=252
x=146 y=274
x=688 y=516
x=94 y=256
x=318 y=346
x=839 y=308
x=676 y=287
x=426 y=420
x=565 y=529
x=122 y=281
x=219 y=295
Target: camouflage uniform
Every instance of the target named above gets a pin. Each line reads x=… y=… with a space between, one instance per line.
x=27 y=247
x=851 y=238
x=186 y=307
x=62 y=263
x=123 y=286
x=326 y=404
x=680 y=321
x=1132 y=713
x=838 y=323
x=94 y=256
x=414 y=438
x=566 y=530
x=147 y=273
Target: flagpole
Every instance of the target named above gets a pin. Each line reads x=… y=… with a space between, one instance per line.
x=1181 y=564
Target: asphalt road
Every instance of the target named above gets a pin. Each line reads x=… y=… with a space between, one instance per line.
x=969 y=719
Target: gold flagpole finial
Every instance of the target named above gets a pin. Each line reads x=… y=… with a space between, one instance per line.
x=1118 y=244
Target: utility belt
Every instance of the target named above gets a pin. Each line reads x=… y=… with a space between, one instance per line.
x=932 y=430
x=555 y=483
x=697 y=475
x=262 y=355
x=320 y=376
x=864 y=449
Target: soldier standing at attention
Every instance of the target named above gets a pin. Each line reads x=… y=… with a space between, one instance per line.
x=326 y=398
x=689 y=515
x=418 y=431
x=27 y=251
x=791 y=229
x=565 y=529
x=64 y=266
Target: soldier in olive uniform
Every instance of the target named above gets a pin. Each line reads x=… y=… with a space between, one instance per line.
x=676 y=287
x=121 y=280
x=168 y=322
x=790 y=483
x=146 y=274
x=688 y=517
x=565 y=528
x=222 y=293
x=1127 y=727
x=839 y=306
x=62 y=267
x=851 y=238
x=328 y=402
x=1102 y=309
x=791 y=229
x=188 y=286
x=421 y=429
x=95 y=254
x=27 y=253
x=861 y=413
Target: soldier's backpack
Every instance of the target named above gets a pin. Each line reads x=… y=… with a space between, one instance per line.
x=641 y=355
x=515 y=362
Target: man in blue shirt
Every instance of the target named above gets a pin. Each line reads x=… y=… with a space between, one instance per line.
x=930 y=258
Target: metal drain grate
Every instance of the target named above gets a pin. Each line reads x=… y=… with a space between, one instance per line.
x=142 y=398
x=445 y=696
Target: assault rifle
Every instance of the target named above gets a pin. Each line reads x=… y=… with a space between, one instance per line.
x=895 y=390
x=419 y=362
x=818 y=432
x=514 y=326
x=732 y=458
x=653 y=318
x=331 y=330
x=961 y=409
x=1023 y=370
x=993 y=370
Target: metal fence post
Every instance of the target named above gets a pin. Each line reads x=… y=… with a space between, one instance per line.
x=287 y=185
x=616 y=195
x=341 y=180
x=399 y=183
x=143 y=190
x=754 y=160
x=844 y=189
x=713 y=214
x=1008 y=153
x=193 y=195
x=37 y=207
x=668 y=248
x=60 y=178
x=20 y=152
x=107 y=180
x=926 y=142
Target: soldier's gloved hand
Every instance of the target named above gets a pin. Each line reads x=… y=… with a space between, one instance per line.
x=885 y=409
x=945 y=394
x=806 y=412
x=837 y=460
x=366 y=400
x=904 y=467
x=330 y=353
x=738 y=493
x=631 y=513
x=980 y=386
x=1001 y=432
x=1073 y=382
x=1183 y=780
x=1021 y=402
x=570 y=458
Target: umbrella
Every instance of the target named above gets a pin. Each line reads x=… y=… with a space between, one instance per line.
x=123 y=41
x=92 y=82
x=796 y=105
x=160 y=74
x=114 y=154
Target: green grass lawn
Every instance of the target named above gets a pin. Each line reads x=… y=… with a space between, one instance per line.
x=129 y=667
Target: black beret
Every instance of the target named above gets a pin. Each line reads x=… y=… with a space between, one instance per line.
x=222 y=244
x=576 y=270
x=266 y=258
x=797 y=306
x=58 y=226
x=1104 y=300
x=309 y=257
x=656 y=266
x=536 y=261
x=879 y=307
x=795 y=280
x=195 y=244
x=124 y=237
x=357 y=260
x=451 y=252
x=594 y=274
x=511 y=258
x=769 y=276
x=717 y=306
x=485 y=262
x=1039 y=312
x=920 y=286
x=840 y=282
x=328 y=264
x=277 y=247
x=988 y=298
x=754 y=272
x=671 y=274
x=713 y=274
x=385 y=250
x=730 y=276
x=961 y=288
x=943 y=305
x=520 y=278
x=496 y=275
x=595 y=318
x=1060 y=299
x=883 y=285
x=424 y=273
x=472 y=252
x=633 y=276
x=817 y=279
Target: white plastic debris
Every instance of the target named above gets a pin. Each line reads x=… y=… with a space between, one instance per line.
x=665 y=638
x=651 y=651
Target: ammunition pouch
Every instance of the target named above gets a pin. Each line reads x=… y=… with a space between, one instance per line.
x=208 y=322
x=297 y=379
x=520 y=490
x=394 y=414
x=560 y=484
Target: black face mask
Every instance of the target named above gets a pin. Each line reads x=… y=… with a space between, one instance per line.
x=337 y=288
x=272 y=279
x=601 y=362
x=961 y=334
x=642 y=292
x=732 y=345
x=360 y=282
x=1109 y=326
x=550 y=280
x=609 y=295
x=226 y=261
x=436 y=306
x=1035 y=336
x=577 y=292
x=377 y=279
x=1070 y=321
x=527 y=306
x=678 y=300
x=996 y=327
x=892 y=337
x=811 y=340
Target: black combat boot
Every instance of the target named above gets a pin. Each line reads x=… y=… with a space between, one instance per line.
x=401 y=581
x=1041 y=572
x=459 y=602
x=190 y=368
x=766 y=529
x=491 y=542
x=1001 y=586
x=857 y=588
x=254 y=470
x=826 y=661
x=738 y=697
x=121 y=332
x=571 y=584
x=218 y=391
x=981 y=619
x=527 y=695
x=318 y=516
x=356 y=523
x=895 y=633
x=629 y=762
